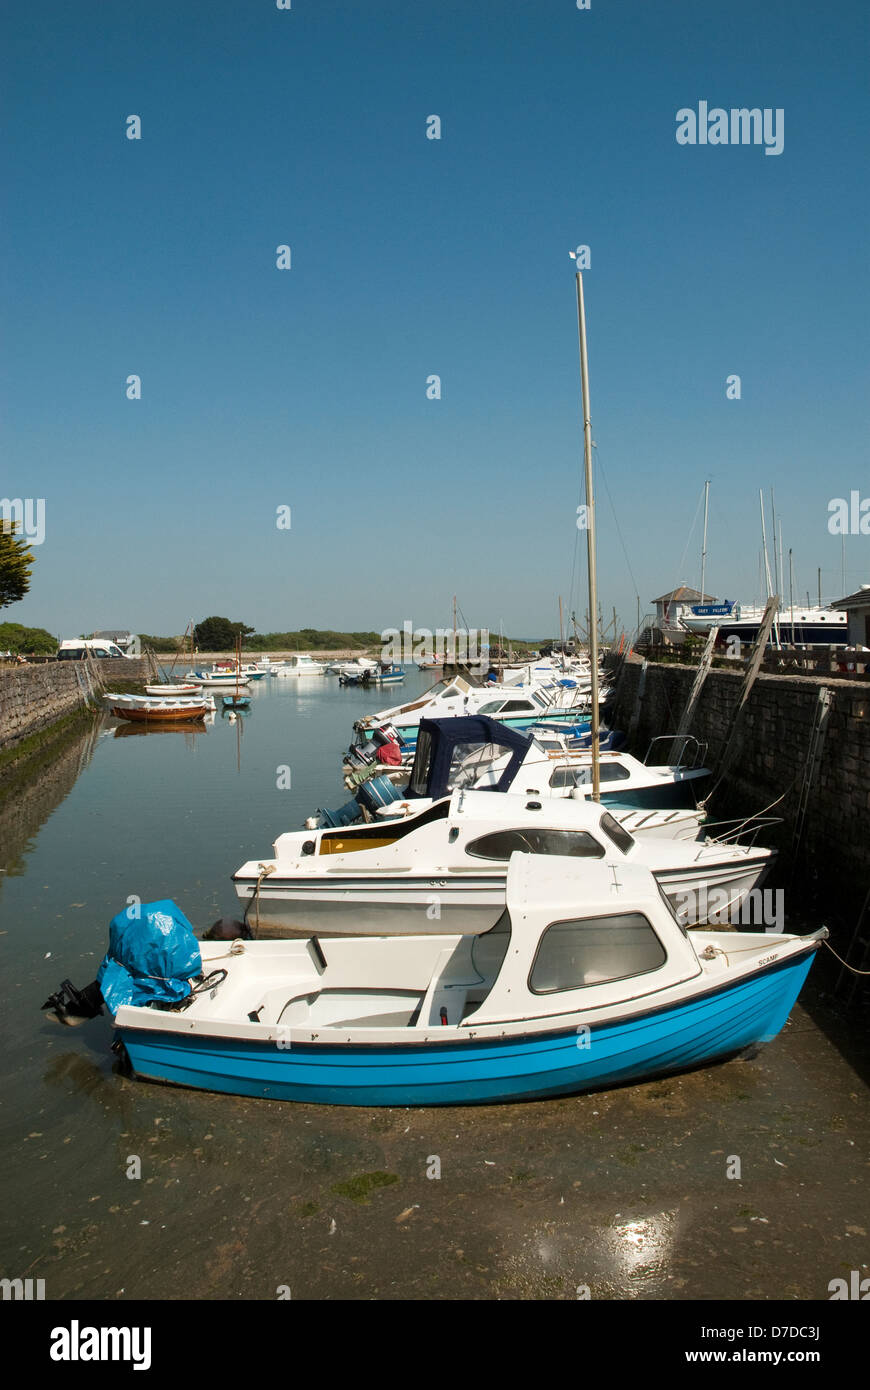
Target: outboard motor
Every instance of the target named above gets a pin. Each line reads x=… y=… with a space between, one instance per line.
x=74 y=1006
x=361 y=755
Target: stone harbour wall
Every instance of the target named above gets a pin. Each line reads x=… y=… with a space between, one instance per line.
x=32 y=698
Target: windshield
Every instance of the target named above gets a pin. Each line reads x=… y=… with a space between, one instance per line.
x=616 y=832
x=469 y=762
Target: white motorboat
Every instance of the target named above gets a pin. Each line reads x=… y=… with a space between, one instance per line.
x=219 y=680
x=362 y=668
x=481 y=753
x=517 y=707
x=445 y=867
x=167 y=690
x=300 y=664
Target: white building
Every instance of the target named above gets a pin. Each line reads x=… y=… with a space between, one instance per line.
x=857 y=606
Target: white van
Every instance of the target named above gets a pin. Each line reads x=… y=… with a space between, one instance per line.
x=77 y=648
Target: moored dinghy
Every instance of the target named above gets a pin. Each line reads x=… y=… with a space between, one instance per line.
x=154 y=709
x=587 y=981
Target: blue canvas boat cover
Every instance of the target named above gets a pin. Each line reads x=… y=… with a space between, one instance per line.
x=439 y=739
x=152 y=955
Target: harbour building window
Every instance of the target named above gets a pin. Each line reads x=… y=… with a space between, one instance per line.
x=593 y=951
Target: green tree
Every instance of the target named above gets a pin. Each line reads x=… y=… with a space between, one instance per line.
x=15 y=638
x=16 y=562
x=218 y=634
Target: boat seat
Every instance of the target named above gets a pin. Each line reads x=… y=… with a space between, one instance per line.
x=449 y=989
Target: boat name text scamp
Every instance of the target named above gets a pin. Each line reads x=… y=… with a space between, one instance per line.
x=739 y=126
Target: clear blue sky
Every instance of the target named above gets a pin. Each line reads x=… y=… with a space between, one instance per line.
x=410 y=257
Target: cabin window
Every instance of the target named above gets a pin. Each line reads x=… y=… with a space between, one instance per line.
x=512 y=706
x=501 y=844
x=671 y=909
x=582 y=776
x=594 y=951
x=492 y=708
x=616 y=832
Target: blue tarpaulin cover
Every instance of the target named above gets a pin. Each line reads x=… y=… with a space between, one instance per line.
x=152 y=954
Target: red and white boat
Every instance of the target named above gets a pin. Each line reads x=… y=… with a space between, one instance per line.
x=153 y=709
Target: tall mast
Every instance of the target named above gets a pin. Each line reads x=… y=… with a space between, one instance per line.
x=561 y=633
x=776 y=574
x=704 y=546
x=764 y=546
x=791 y=591
x=767 y=563
x=454 y=634
x=590 y=540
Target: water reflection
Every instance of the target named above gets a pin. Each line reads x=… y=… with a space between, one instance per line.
x=187 y=728
x=30 y=797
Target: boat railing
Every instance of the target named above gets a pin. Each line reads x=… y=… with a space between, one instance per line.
x=686 y=751
x=750 y=826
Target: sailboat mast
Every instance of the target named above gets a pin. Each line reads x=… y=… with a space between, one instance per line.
x=561 y=633
x=764 y=545
x=590 y=541
x=767 y=566
x=704 y=546
x=454 y=633
x=776 y=567
x=791 y=592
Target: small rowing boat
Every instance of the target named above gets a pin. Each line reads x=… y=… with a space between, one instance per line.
x=587 y=980
x=153 y=709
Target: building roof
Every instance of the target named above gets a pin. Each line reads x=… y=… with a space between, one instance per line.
x=860 y=599
x=114 y=633
x=684 y=595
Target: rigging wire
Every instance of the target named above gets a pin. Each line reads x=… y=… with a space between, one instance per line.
x=603 y=475
x=681 y=570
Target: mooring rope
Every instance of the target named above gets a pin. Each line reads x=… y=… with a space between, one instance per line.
x=265 y=870
x=845 y=963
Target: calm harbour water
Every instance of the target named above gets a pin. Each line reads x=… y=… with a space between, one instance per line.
x=621 y=1192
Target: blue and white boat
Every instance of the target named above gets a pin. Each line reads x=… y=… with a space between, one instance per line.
x=389 y=674
x=587 y=981
x=479 y=752
x=516 y=707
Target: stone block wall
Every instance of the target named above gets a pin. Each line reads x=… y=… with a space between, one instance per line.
x=771 y=750
x=32 y=698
